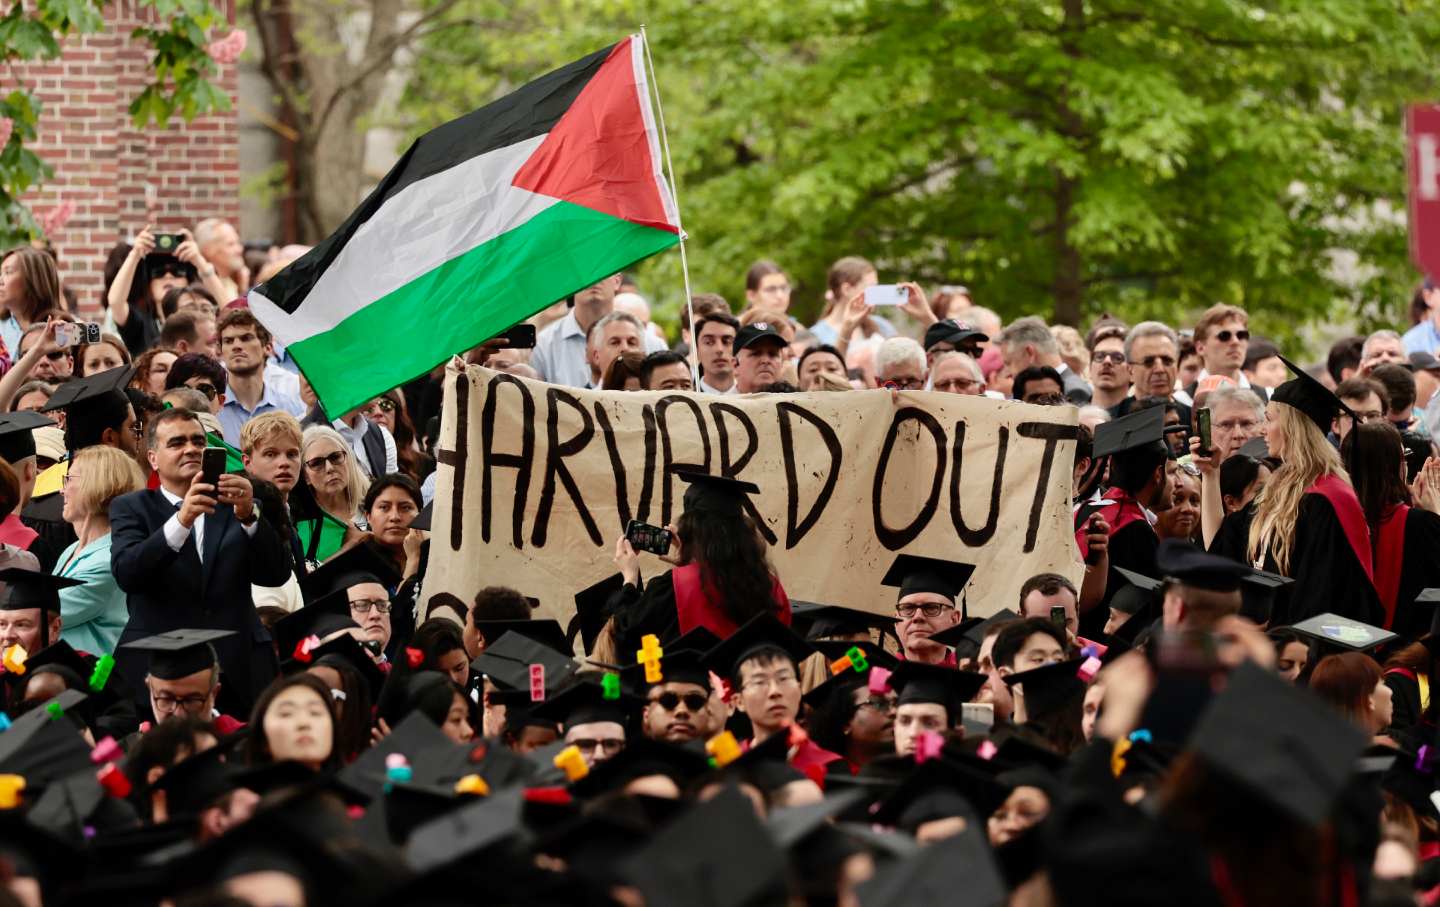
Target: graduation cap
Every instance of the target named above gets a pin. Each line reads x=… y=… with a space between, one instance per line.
x=546 y=632
x=466 y=831
x=1315 y=400
x=583 y=702
x=1050 y=689
x=959 y=870
x=359 y=564
x=194 y=784
x=31 y=589
x=717 y=853
x=590 y=615
x=41 y=748
x=1139 y=432
x=345 y=650
x=816 y=621
x=789 y=825
x=322 y=618
x=972 y=635
x=1140 y=598
x=1341 y=634
x=715 y=494
x=916 y=681
x=61 y=654
x=1280 y=741
x=764 y=632
x=424 y=518
x=875 y=656
x=939 y=788
x=912 y=573
x=1257 y=594
x=1256 y=448
x=36 y=852
x=179 y=653
x=1199 y=569
x=16 y=439
x=98 y=399
x=676 y=666
x=642 y=758
x=417 y=738
x=507 y=662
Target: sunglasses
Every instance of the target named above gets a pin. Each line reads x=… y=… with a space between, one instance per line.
x=1114 y=356
x=175 y=270
x=384 y=404
x=57 y=355
x=315 y=464
x=1227 y=336
x=694 y=702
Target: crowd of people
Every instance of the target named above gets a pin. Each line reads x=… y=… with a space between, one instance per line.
x=225 y=682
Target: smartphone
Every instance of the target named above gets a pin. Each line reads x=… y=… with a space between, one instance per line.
x=212 y=465
x=1092 y=558
x=167 y=243
x=1057 y=616
x=644 y=537
x=519 y=337
x=1202 y=428
x=886 y=294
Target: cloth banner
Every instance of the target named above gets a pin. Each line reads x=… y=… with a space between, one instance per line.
x=537 y=483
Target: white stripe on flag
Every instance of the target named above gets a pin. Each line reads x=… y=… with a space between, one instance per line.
x=432 y=221
x=642 y=83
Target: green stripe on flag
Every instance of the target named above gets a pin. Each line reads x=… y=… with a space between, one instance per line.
x=469 y=299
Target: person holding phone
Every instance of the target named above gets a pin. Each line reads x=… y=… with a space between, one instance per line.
x=721 y=577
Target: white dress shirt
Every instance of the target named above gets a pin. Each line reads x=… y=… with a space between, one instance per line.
x=176 y=533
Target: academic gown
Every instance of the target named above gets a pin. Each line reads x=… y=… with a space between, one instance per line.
x=1417 y=533
x=1329 y=575
x=659 y=607
x=1133 y=544
x=1406 y=705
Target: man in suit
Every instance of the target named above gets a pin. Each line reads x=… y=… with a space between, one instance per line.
x=187 y=554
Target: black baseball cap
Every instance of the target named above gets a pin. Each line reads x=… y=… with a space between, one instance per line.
x=951 y=331
x=751 y=334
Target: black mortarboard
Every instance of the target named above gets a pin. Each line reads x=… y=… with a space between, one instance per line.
x=1138 y=431
x=195 y=783
x=789 y=825
x=359 y=564
x=972 y=635
x=546 y=632
x=916 y=681
x=62 y=654
x=715 y=494
x=1050 y=689
x=179 y=653
x=1431 y=597
x=912 y=573
x=1199 y=569
x=507 y=661
x=959 y=870
x=938 y=788
x=424 y=518
x=32 y=589
x=345 y=649
x=1315 y=400
x=96 y=400
x=16 y=440
x=1280 y=741
x=1257 y=594
x=583 y=702
x=763 y=631
x=697 y=639
x=1140 y=598
x=816 y=621
x=466 y=831
x=641 y=758
x=834 y=649
x=41 y=748
x=590 y=612
x=434 y=758
x=1255 y=447
x=717 y=853
x=34 y=851
x=1341 y=634
x=676 y=666
x=520 y=710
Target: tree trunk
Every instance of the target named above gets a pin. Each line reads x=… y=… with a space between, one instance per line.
x=1068 y=285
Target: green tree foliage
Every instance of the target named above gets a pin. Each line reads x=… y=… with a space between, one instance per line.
x=1147 y=157
x=180 y=86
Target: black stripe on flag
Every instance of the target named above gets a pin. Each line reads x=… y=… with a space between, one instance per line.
x=532 y=110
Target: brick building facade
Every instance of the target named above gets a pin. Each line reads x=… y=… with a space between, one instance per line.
x=105 y=165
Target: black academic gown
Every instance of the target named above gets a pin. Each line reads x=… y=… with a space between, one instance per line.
x=1419 y=570
x=1329 y=578
x=640 y=612
x=1132 y=548
x=1405 y=710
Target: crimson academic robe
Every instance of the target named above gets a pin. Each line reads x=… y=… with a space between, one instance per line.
x=672 y=604
x=1133 y=544
x=1407 y=562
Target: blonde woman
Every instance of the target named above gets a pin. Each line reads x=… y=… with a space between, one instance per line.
x=1306 y=523
x=93 y=615
x=325 y=504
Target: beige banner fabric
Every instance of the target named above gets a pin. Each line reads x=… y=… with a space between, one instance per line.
x=537 y=483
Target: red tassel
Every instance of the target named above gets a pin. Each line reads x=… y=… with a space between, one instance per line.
x=414 y=657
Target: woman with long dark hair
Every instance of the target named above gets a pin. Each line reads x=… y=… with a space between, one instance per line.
x=1404 y=537
x=29 y=287
x=721 y=577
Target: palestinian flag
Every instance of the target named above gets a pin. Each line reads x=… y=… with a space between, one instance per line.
x=484 y=222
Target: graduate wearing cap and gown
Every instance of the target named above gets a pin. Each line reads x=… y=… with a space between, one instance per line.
x=933 y=585
x=180 y=666
x=1306 y=523
x=17 y=448
x=697 y=593
x=30 y=608
x=1139 y=486
x=929 y=698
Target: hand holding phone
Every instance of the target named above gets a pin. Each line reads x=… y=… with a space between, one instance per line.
x=886 y=294
x=519 y=337
x=212 y=467
x=1202 y=428
x=644 y=537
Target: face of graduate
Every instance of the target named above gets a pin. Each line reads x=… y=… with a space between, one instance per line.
x=596 y=740
x=1274 y=433
x=1038 y=604
x=455 y=665
x=995 y=691
x=916 y=629
x=1382 y=701
x=370 y=597
x=184 y=697
x=1183 y=517
x=1026 y=806
x=678 y=712
x=457 y=721
x=914 y=718
x=532 y=737
x=1292 y=660
x=873 y=725
x=1038 y=650
x=769 y=694
x=22 y=627
x=1094 y=695
x=298 y=727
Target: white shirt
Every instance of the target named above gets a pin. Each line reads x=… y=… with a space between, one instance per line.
x=707 y=389
x=176 y=533
x=559 y=354
x=355 y=438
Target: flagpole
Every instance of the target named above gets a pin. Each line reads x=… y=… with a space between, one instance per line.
x=679 y=225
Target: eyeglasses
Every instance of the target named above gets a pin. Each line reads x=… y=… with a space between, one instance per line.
x=1149 y=361
x=1237 y=425
x=694 y=702
x=1114 y=356
x=904 y=384
x=362 y=606
x=315 y=464
x=57 y=355
x=1227 y=336
x=166 y=703
x=207 y=389
x=881 y=703
x=137 y=429
x=384 y=404
x=781 y=680
x=956 y=385
x=1045 y=399
x=611 y=745
x=69 y=476
x=929 y=609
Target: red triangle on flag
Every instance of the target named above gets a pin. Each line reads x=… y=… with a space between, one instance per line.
x=602 y=154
